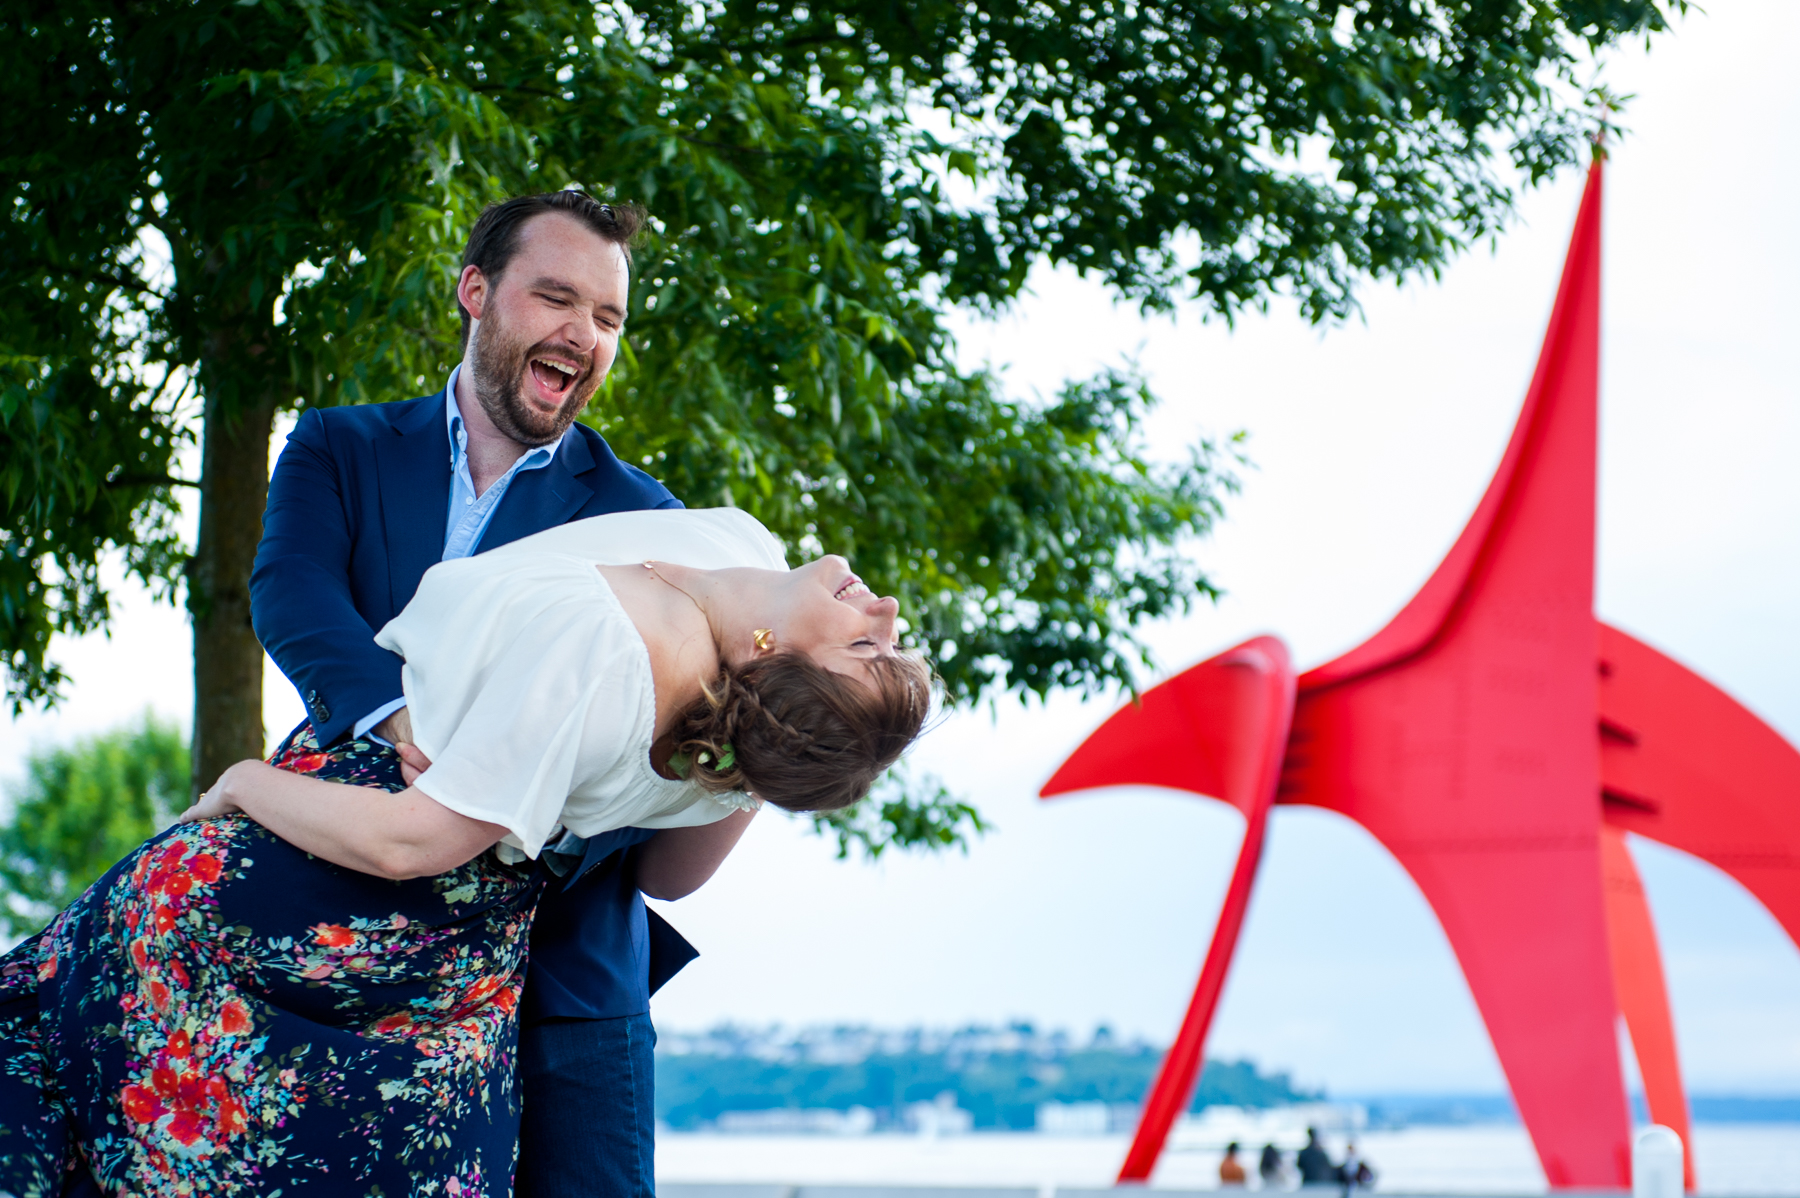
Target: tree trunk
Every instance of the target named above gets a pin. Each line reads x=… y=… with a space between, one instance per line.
x=228 y=659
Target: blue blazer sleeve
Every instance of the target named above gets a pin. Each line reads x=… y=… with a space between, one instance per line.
x=300 y=598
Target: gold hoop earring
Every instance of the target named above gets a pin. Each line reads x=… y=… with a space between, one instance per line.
x=763 y=638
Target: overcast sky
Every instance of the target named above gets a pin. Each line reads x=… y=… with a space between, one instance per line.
x=1372 y=444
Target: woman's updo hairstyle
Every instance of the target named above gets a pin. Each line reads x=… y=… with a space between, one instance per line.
x=801 y=736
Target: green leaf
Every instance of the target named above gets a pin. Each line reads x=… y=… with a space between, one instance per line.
x=903 y=812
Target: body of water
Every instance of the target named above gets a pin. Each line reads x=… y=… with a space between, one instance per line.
x=1730 y=1159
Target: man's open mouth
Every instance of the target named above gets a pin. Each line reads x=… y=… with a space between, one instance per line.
x=552 y=375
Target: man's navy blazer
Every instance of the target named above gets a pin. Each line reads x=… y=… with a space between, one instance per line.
x=358 y=510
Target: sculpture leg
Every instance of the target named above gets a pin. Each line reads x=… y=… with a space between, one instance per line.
x=1181 y=1067
x=1528 y=927
x=1220 y=729
x=1643 y=998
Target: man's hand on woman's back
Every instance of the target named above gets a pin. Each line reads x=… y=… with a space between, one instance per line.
x=396 y=729
x=412 y=761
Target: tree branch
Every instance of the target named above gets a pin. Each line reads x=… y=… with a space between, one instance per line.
x=149 y=480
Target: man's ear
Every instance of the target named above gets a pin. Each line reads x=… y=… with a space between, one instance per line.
x=472 y=291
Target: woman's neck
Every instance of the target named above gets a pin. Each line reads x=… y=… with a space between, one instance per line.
x=665 y=605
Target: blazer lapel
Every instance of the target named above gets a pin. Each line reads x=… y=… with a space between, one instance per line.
x=540 y=499
x=413 y=472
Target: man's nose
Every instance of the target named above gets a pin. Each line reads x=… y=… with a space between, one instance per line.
x=582 y=333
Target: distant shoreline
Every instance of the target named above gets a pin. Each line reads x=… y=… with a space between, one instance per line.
x=1423 y=1109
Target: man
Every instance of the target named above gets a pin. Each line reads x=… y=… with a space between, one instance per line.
x=363 y=501
x=1314 y=1165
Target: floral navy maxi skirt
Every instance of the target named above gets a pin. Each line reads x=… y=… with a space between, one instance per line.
x=224 y=1014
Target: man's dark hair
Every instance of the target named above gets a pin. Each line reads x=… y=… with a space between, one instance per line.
x=495 y=238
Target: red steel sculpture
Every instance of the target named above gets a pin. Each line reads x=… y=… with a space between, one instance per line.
x=1499 y=741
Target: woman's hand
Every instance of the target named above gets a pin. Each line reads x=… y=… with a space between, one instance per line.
x=217 y=799
x=365 y=828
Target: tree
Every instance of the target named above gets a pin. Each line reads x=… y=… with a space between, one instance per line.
x=218 y=210
x=81 y=809
x=999 y=1075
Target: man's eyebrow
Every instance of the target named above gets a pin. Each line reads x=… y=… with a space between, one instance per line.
x=550 y=283
x=562 y=287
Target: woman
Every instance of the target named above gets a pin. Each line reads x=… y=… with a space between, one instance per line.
x=1273 y=1168
x=310 y=984
x=1231 y=1170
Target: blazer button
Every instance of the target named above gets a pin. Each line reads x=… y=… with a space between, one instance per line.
x=321 y=714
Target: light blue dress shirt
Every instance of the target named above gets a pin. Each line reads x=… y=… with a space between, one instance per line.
x=469 y=513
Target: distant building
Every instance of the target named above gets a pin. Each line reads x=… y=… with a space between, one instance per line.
x=793 y=1121
x=939 y=1117
x=1073 y=1119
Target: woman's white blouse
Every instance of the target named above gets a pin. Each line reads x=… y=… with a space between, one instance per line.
x=529 y=687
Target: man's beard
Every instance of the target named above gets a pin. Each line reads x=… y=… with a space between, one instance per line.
x=497 y=366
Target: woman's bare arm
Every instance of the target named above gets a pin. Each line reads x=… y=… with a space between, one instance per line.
x=399 y=836
x=678 y=861
x=672 y=864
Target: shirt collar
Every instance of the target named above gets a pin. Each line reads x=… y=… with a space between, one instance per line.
x=453 y=422
x=453 y=416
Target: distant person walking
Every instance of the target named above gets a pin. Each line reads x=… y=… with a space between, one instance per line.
x=1272 y=1168
x=1355 y=1171
x=1314 y=1164
x=1231 y=1170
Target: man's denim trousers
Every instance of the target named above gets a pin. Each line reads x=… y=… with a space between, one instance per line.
x=590 y=1127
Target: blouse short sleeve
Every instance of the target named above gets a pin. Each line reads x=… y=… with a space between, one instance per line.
x=509 y=675
x=529 y=687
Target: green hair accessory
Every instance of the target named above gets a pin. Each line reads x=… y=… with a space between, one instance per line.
x=681 y=763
